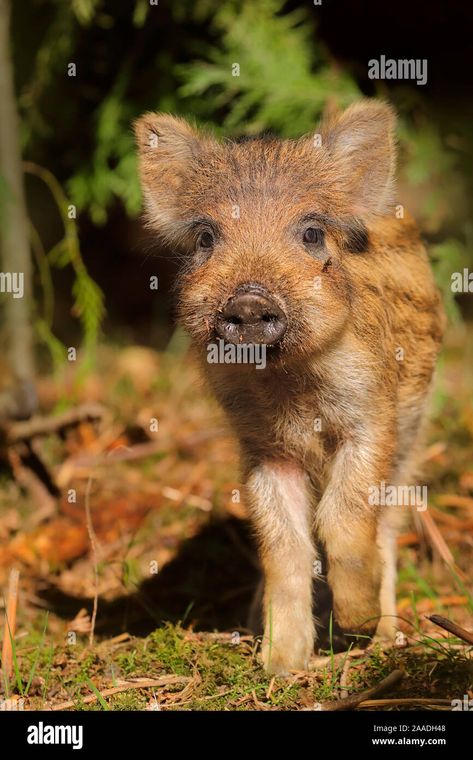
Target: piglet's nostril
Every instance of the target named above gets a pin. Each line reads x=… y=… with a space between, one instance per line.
x=251 y=315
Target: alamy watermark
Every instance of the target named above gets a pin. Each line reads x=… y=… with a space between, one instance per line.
x=462 y=282
x=465 y=704
x=43 y=733
x=402 y=68
x=240 y=353
x=388 y=495
x=12 y=282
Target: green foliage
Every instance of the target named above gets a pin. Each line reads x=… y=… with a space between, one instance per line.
x=89 y=306
x=140 y=12
x=56 y=349
x=88 y=298
x=186 y=63
x=112 y=170
x=283 y=81
x=49 y=63
x=449 y=256
x=429 y=154
x=84 y=10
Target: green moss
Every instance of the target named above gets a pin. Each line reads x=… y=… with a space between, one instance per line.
x=225 y=676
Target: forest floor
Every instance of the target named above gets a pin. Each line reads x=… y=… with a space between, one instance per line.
x=147 y=526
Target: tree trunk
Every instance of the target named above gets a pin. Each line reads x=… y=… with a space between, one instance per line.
x=14 y=240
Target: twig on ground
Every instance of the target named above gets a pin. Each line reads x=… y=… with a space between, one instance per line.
x=10 y=623
x=349 y=703
x=270 y=687
x=259 y=705
x=406 y=701
x=321 y=661
x=142 y=683
x=42 y=426
x=80 y=623
x=344 y=679
x=79 y=466
x=93 y=541
x=438 y=542
x=176 y=700
x=452 y=627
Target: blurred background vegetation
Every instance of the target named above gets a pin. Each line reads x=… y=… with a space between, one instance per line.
x=91 y=273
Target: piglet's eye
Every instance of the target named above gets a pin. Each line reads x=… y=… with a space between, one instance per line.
x=205 y=240
x=313 y=236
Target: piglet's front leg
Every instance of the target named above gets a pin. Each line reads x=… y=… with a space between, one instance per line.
x=280 y=511
x=348 y=525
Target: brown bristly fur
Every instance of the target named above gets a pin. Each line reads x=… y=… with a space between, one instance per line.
x=365 y=323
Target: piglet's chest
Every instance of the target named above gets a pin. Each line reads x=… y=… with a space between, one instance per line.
x=302 y=421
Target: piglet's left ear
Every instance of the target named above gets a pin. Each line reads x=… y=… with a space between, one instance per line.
x=360 y=143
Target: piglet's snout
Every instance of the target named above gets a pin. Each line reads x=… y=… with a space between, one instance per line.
x=251 y=315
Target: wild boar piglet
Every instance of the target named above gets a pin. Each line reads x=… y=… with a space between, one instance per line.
x=313 y=313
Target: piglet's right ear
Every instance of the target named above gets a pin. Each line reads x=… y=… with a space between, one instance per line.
x=168 y=148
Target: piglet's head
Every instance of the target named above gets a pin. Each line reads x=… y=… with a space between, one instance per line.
x=267 y=228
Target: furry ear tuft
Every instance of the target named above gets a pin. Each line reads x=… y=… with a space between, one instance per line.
x=160 y=135
x=360 y=143
x=168 y=149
